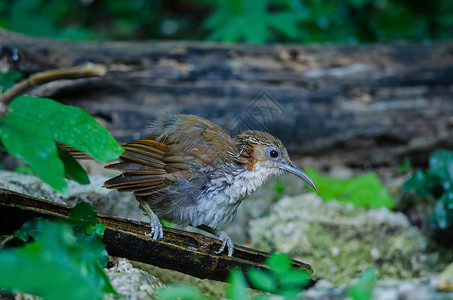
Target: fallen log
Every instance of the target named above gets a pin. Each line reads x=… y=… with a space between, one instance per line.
x=181 y=251
x=359 y=105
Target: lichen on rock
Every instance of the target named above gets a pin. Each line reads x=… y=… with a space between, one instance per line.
x=340 y=241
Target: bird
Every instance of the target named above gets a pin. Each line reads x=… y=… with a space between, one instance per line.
x=191 y=172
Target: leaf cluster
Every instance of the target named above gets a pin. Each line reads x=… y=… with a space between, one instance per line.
x=435 y=183
x=59 y=260
x=280 y=279
x=295 y=21
x=362 y=191
x=32 y=126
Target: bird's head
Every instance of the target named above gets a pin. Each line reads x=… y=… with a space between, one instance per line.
x=256 y=147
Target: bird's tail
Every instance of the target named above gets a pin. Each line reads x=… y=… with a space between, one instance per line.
x=77 y=154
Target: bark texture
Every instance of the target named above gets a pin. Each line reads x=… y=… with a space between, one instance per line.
x=361 y=105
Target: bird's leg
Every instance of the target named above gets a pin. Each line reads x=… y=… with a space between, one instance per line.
x=156 y=227
x=222 y=236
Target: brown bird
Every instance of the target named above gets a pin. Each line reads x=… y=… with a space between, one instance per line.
x=192 y=172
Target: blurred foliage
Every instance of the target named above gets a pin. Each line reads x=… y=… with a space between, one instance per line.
x=363 y=190
x=404 y=166
x=436 y=184
x=363 y=289
x=279 y=187
x=59 y=261
x=296 y=21
x=281 y=279
x=9 y=79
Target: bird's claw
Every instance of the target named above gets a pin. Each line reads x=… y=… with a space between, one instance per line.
x=226 y=241
x=156 y=228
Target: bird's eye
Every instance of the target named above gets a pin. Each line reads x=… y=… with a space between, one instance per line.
x=273 y=154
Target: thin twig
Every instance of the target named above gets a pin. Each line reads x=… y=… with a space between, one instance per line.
x=6 y=240
x=85 y=71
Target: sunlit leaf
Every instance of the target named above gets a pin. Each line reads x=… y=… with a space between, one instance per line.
x=237 y=288
x=262 y=280
x=278 y=263
x=363 y=190
x=295 y=278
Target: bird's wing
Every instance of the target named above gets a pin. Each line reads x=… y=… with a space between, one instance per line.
x=195 y=137
x=142 y=166
x=183 y=150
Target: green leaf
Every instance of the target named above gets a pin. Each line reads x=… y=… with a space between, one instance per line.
x=237 y=288
x=295 y=279
x=442 y=216
x=30 y=229
x=166 y=223
x=9 y=79
x=24 y=169
x=54 y=266
x=262 y=280
x=441 y=165
x=30 y=129
x=93 y=242
x=88 y=231
x=179 y=291
x=363 y=288
x=291 y=293
x=68 y=125
x=33 y=146
x=278 y=263
x=364 y=190
x=279 y=187
x=421 y=183
x=291 y=281
x=286 y=23
x=72 y=168
x=404 y=166
x=85 y=215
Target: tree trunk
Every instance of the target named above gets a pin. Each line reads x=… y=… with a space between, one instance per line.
x=360 y=105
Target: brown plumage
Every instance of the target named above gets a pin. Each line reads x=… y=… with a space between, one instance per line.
x=192 y=172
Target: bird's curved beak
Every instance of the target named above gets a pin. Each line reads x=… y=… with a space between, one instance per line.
x=299 y=173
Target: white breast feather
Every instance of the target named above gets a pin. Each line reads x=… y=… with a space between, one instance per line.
x=218 y=204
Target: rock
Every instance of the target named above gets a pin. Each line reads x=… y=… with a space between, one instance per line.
x=388 y=289
x=340 y=241
x=130 y=282
x=28 y=185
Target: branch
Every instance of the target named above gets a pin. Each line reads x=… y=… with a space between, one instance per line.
x=182 y=251
x=85 y=71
